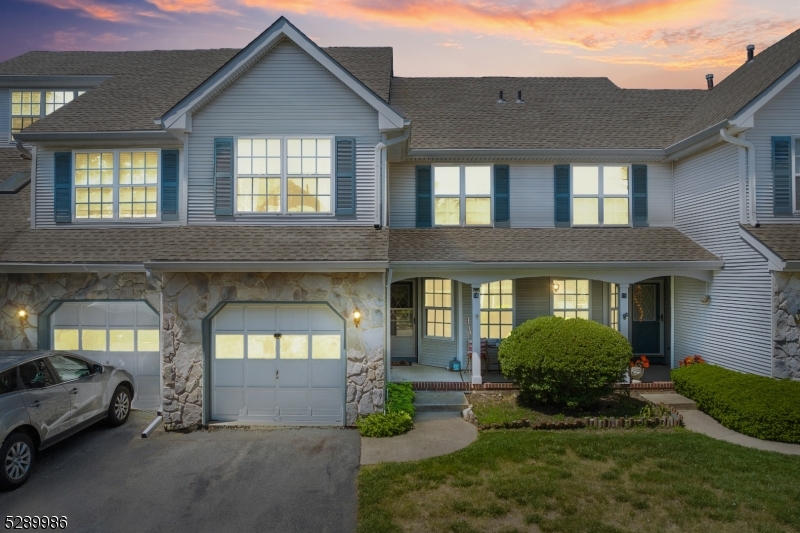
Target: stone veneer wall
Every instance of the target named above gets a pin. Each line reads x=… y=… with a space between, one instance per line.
x=34 y=292
x=786 y=330
x=189 y=297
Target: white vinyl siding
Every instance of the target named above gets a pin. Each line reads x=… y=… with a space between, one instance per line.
x=531 y=198
x=734 y=328
x=779 y=117
x=289 y=94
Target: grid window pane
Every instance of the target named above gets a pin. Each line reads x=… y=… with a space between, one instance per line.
x=447 y=212
x=585 y=180
x=308 y=158
x=615 y=180
x=479 y=211
x=477 y=181
x=94 y=168
x=438 y=308
x=138 y=168
x=261 y=347
x=258 y=171
x=615 y=211
x=56 y=100
x=571 y=298
x=585 y=211
x=447 y=180
x=614 y=305
x=497 y=316
x=26 y=108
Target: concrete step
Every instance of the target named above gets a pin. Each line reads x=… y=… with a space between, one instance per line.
x=428 y=401
x=676 y=401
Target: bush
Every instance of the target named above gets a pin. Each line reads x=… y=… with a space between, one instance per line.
x=384 y=424
x=572 y=362
x=758 y=406
x=400 y=398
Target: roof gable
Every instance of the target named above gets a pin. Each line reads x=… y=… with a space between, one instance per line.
x=178 y=117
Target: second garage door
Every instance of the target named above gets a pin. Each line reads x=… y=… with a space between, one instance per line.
x=281 y=364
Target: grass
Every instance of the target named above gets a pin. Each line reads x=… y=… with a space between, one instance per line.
x=490 y=408
x=585 y=481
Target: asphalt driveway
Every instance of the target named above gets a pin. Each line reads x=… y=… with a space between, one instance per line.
x=280 y=480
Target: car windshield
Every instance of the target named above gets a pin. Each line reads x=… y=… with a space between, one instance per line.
x=70 y=368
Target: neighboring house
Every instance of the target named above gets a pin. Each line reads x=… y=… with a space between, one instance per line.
x=255 y=233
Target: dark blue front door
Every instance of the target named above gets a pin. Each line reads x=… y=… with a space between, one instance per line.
x=646 y=316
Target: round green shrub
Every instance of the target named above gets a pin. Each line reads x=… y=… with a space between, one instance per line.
x=572 y=362
x=384 y=424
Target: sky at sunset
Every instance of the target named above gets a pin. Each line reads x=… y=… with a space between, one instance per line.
x=636 y=43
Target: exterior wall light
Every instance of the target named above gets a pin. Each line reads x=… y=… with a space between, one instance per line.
x=22 y=314
x=357 y=317
x=556 y=286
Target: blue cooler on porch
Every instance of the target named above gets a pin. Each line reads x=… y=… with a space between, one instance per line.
x=454 y=365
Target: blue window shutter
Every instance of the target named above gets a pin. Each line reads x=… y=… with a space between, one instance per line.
x=63 y=187
x=424 y=197
x=782 y=175
x=169 y=184
x=562 y=192
x=223 y=176
x=502 y=185
x=640 y=195
x=345 y=176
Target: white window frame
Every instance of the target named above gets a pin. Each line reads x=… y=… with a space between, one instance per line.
x=513 y=307
x=116 y=186
x=462 y=219
x=612 y=304
x=284 y=177
x=600 y=195
x=452 y=311
x=42 y=104
x=552 y=296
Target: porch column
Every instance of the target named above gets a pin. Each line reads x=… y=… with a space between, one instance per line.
x=624 y=309
x=476 y=335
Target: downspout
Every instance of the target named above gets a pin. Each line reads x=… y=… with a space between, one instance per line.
x=751 y=170
x=381 y=215
x=24 y=151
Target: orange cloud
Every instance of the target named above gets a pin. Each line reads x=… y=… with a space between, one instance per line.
x=91 y=8
x=190 y=6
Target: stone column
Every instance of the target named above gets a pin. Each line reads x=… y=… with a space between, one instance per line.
x=624 y=309
x=477 y=379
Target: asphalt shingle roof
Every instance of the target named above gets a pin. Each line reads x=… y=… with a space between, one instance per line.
x=783 y=239
x=11 y=163
x=743 y=85
x=21 y=244
x=544 y=245
x=558 y=113
x=145 y=85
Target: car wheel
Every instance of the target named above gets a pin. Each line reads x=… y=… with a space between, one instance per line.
x=120 y=406
x=17 y=455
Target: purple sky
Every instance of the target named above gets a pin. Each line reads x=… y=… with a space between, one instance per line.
x=636 y=43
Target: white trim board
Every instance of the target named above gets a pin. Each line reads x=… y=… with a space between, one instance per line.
x=177 y=119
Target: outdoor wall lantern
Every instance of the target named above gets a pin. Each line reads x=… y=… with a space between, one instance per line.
x=357 y=317
x=556 y=286
x=22 y=314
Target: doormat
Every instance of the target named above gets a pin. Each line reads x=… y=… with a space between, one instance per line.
x=401 y=363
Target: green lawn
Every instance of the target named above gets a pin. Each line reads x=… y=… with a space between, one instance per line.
x=608 y=481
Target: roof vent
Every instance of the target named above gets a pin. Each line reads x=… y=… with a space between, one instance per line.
x=500 y=99
x=710 y=81
x=519 y=98
x=751 y=48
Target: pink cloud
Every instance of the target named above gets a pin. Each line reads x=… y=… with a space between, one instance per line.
x=91 y=8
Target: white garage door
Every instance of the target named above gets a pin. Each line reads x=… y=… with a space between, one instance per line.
x=123 y=334
x=280 y=364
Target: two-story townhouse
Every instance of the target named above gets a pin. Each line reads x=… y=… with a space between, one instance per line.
x=257 y=234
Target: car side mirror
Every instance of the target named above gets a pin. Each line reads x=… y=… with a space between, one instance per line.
x=98 y=369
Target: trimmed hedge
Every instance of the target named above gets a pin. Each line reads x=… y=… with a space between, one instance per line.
x=758 y=406
x=564 y=362
x=400 y=398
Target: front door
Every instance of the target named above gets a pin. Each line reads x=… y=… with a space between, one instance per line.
x=646 y=317
x=403 y=339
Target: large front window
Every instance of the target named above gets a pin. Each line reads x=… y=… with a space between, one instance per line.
x=29 y=106
x=283 y=175
x=116 y=184
x=600 y=195
x=571 y=298
x=497 y=309
x=439 y=308
x=463 y=195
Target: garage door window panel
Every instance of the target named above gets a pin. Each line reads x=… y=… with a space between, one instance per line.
x=326 y=347
x=121 y=340
x=261 y=347
x=66 y=339
x=294 y=347
x=147 y=340
x=93 y=340
x=227 y=346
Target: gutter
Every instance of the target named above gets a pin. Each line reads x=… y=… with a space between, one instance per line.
x=533 y=265
x=266 y=266
x=751 y=171
x=154 y=135
x=26 y=154
x=382 y=211
x=688 y=141
x=649 y=154
x=35 y=268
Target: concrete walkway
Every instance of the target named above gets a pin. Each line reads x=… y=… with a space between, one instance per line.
x=434 y=434
x=700 y=422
